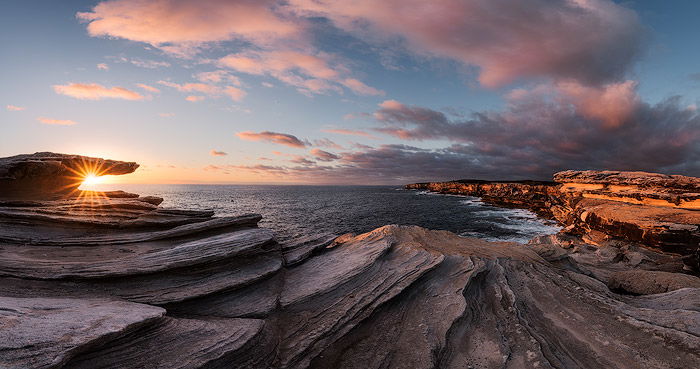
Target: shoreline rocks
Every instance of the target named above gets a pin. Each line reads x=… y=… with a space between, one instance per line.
x=655 y=210
x=84 y=284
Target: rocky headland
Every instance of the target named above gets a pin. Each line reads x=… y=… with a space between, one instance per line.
x=651 y=210
x=113 y=280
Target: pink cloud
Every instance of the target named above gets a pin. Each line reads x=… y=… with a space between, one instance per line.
x=194 y=98
x=94 y=91
x=57 y=122
x=274 y=137
x=234 y=93
x=217 y=76
x=14 y=108
x=181 y=27
x=217 y=153
x=508 y=40
x=148 y=88
x=310 y=73
x=613 y=103
x=102 y=66
x=360 y=88
x=193 y=87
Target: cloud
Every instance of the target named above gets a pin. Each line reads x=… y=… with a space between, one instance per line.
x=236 y=94
x=217 y=153
x=324 y=155
x=298 y=159
x=182 y=27
x=310 y=73
x=542 y=132
x=324 y=142
x=102 y=66
x=194 y=98
x=94 y=91
x=166 y=115
x=14 y=108
x=57 y=122
x=507 y=40
x=149 y=64
x=348 y=132
x=274 y=137
x=148 y=88
x=218 y=76
x=360 y=88
x=193 y=87
x=276 y=41
x=613 y=103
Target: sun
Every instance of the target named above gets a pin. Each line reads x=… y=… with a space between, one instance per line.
x=91 y=179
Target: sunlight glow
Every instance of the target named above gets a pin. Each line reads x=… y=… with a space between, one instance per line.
x=91 y=179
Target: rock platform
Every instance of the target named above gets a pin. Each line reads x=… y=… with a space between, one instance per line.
x=121 y=283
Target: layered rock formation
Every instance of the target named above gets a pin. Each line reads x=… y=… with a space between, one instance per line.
x=537 y=196
x=122 y=283
x=654 y=210
x=50 y=175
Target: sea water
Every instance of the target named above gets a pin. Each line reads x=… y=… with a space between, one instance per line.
x=295 y=211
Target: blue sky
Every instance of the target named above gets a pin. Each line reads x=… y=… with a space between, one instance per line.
x=440 y=94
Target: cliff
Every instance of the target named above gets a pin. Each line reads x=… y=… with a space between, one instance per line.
x=534 y=195
x=97 y=281
x=655 y=210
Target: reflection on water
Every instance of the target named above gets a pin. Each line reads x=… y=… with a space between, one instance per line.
x=293 y=211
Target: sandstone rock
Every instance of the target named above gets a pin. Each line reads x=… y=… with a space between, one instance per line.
x=642 y=282
x=221 y=343
x=534 y=195
x=46 y=174
x=655 y=210
x=641 y=179
x=50 y=262
x=46 y=333
x=297 y=250
x=76 y=271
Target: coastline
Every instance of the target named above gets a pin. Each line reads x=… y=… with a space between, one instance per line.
x=112 y=279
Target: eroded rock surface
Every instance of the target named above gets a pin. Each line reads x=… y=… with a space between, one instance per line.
x=655 y=210
x=47 y=174
x=121 y=283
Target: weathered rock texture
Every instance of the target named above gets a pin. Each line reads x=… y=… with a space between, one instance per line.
x=655 y=210
x=134 y=286
x=46 y=174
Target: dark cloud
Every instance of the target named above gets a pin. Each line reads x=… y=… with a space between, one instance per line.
x=274 y=137
x=217 y=153
x=324 y=155
x=537 y=136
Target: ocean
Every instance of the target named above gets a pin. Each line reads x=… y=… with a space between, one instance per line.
x=295 y=211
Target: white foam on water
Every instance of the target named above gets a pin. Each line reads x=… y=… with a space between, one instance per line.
x=525 y=223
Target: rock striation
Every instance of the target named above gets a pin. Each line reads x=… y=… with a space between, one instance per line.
x=654 y=210
x=122 y=283
x=47 y=174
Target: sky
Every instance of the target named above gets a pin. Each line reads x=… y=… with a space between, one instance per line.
x=354 y=91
